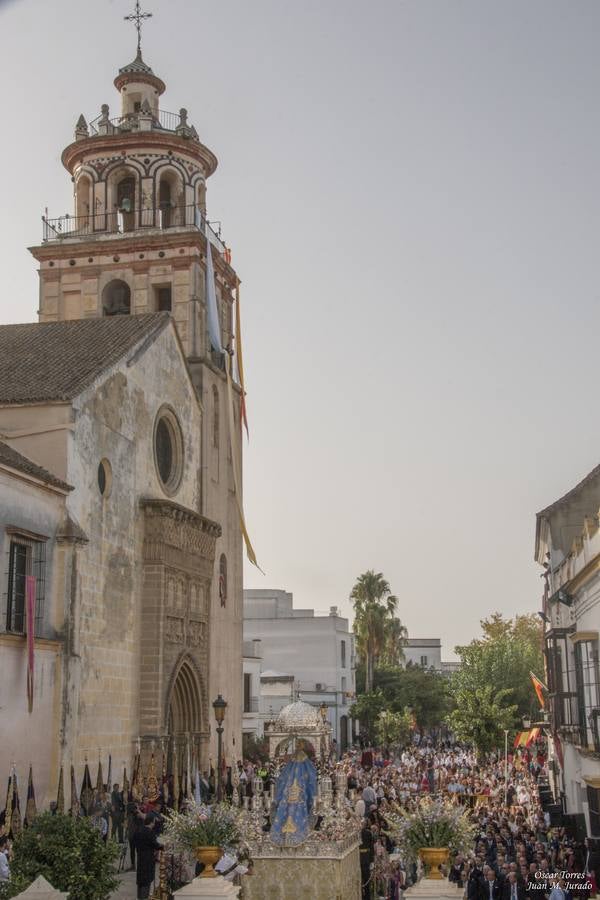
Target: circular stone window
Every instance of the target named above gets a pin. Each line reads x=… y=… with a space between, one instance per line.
x=104 y=477
x=168 y=450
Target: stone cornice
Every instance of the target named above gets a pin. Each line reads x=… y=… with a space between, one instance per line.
x=178 y=537
x=170 y=510
x=140 y=241
x=79 y=151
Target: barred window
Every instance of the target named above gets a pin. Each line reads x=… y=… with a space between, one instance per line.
x=593 y=795
x=586 y=670
x=26 y=557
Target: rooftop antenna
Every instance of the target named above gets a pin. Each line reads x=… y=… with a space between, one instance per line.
x=138 y=17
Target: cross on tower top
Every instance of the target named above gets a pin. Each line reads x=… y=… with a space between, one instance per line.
x=138 y=17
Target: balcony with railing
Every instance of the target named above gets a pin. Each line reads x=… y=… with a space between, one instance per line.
x=250 y=704
x=141 y=120
x=127 y=219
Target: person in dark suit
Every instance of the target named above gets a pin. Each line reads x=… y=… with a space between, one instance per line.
x=474 y=881
x=490 y=889
x=146 y=846
x=367 y=855
x=514 y=888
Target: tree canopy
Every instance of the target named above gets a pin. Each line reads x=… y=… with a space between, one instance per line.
x=379 y=633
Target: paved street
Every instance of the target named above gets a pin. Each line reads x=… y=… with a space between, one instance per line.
x=127 y=888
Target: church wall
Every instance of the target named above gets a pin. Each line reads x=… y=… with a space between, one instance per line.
x=39 y=432
x=226 y=621
x=31 y=738
x=115 y=420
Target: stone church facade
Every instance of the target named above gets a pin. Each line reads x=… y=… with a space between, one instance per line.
x=118 y=395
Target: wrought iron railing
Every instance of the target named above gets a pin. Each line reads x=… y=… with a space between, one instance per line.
x=167 y=121
x=125 y=219
x=251 y=705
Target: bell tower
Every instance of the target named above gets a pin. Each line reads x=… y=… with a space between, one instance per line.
x=136 y=242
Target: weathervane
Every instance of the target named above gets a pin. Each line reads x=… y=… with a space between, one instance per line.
x=138 y=17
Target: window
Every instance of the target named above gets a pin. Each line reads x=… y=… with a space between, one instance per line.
x=26 y=558
x=223 y=579
x=247 y=692
x=423 y=660
x=116 y=298
x=593 y=798
x=104 y=477
x=343 y=648
x=344 y=684
x=168 y=450
x=586 y=673
x=163 y=299
x=561 y=678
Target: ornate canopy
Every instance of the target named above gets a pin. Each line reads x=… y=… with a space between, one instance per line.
x=296 y=721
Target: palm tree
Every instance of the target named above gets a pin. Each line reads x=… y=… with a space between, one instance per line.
x=374 y=606
x=394 y=642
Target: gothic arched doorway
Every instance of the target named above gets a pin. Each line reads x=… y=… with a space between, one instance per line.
x=185 y=703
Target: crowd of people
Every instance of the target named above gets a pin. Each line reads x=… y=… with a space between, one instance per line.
x=516 y=853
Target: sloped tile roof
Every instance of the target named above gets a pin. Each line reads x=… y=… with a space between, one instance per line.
x=138 y=65
x=55 y=361
x=15 y=460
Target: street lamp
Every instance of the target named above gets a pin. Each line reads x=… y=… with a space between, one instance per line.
x=219 y=706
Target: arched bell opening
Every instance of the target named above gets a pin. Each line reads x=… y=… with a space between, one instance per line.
x=126 y=203
x=122 y=198
x=116 y=298
x=170 y=200
x=83 y=202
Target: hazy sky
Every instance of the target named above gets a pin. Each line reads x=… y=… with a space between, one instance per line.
x=411 y=191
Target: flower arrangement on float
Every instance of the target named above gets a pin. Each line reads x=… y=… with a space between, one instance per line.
x=431 y=832
x=203 y=831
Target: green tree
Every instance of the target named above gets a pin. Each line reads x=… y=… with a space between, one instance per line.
x=367 y=709
x=69 y=853
x=425 y=691
x=508 y=651
x=392 y=729
x=481 y=716
x=374 y=607
x=394 y=641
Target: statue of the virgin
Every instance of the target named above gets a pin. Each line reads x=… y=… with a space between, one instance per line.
x=295 y=794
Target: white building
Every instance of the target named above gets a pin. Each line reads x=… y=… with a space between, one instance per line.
x=426 y=652
x=318 y=651
x=251 y=712
x=568 y=547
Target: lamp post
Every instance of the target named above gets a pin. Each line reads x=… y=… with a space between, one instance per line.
x=505 y=766
x=219 y=706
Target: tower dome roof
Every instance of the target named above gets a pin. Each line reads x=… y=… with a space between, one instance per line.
x=138 y=65
x=298 y=715
x=138 y=70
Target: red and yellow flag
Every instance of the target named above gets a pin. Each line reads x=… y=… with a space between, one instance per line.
x=539 y=687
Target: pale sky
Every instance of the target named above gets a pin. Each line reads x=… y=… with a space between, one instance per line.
x=411 y=191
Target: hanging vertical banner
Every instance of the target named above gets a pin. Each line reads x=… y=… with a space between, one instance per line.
x=15 y=818
x=86 y=797
x=60 y=794
x=234 y=465
x=30 y=619
x=240 y=356
x=30 y=807
x=212 y=312
x=74 y=798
